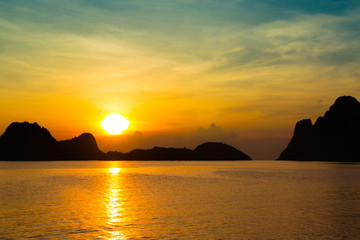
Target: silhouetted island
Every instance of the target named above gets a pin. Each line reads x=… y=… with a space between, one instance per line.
x=29 y=141
x=333 y=137
x=205 y=151
x=217 y=150
x=156 y=153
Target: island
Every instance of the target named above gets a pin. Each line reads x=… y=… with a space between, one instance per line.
x=29 y=141
x=206 y=151
x=333 y=137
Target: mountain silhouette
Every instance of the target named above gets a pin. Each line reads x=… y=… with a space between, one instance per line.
x=333 y=137
x=205 y=151
x=217 y=150
x=29 y=141
x=82 y=147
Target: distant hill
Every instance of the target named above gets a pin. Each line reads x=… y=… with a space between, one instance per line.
x=156 y=153
x=205 y=151
x=333 y=137
x=216 y=150
x=29 y=141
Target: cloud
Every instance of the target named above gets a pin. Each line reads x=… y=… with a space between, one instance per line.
x=324 y=40
x=130 y=141
x=212 y=134
x=257 y=148
x=126 y=142
x=248 y=63
x=226 y=35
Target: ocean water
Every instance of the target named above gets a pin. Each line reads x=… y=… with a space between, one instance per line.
x=179 y=200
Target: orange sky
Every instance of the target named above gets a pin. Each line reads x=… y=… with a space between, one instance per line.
x=250 y=68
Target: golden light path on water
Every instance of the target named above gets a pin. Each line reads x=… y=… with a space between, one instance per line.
x=114 y=205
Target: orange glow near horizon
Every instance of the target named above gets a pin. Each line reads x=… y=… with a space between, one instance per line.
x=254 y=80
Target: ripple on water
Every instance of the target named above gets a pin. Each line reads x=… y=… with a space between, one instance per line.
x=230 y=200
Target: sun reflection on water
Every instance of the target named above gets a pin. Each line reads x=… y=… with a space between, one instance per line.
x=114 y=205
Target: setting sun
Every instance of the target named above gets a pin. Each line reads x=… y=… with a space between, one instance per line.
x=115 y=123
x=114 y=170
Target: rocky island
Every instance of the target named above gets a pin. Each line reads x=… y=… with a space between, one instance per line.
x=333 y=137
x=29 y=141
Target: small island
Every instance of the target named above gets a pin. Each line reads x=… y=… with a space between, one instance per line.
x=205 y=151
x=29 y=141
x=333 y=137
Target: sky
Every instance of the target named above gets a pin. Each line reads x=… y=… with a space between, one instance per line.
x=182 y=71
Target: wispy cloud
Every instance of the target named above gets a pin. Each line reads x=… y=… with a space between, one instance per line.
x=241 y=63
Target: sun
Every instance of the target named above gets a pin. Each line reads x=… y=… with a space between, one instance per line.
x=114 y=170
x=115 y=123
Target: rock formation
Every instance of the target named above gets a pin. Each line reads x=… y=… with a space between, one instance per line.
x=333 y=137
x=83 y=147
x=29 y=141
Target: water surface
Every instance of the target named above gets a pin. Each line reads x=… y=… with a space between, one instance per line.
x=179 y=200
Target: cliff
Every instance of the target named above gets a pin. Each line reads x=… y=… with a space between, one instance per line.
x=333 y=137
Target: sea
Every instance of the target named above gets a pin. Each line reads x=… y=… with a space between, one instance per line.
x=179 y=200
